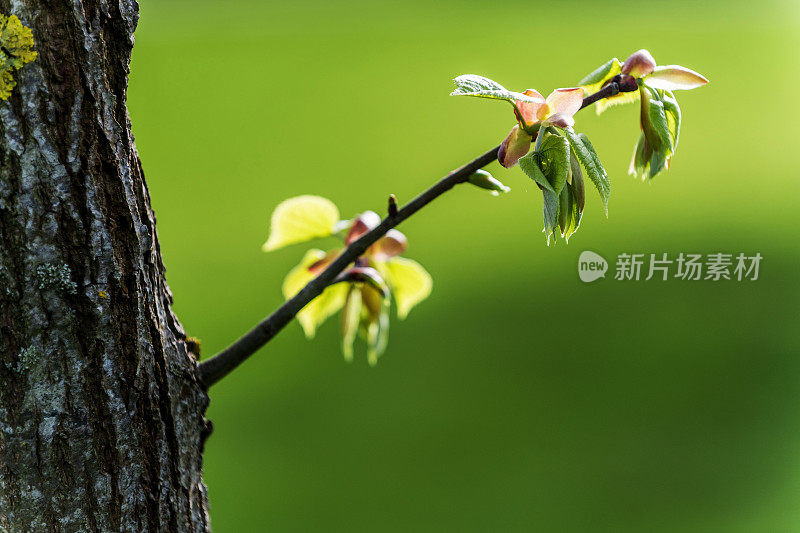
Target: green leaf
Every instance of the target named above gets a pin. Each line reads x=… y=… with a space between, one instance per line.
x=673 y=112
x=530 y=166
x=549 y=167
x=301 y=219
x=587 y=156
x=555 y=158
x=550 y=205
x=658 y=121
x=595 y=80
x=598 y=78
x=655 y=127
x=409 y=281
x=568 y=216
x=351 y=317
x=320 y=308
x=571 y=200
x=474 y=85
x=641 y=157
x=378 y=336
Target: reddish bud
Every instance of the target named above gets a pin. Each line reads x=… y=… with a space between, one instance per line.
x=516 y=145
x=363 y=223
x=639 y=64
x=392 y=244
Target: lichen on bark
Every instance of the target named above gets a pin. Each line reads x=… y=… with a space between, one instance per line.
x=101 y=413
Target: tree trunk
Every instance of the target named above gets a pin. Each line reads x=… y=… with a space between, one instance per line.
x=101 y=413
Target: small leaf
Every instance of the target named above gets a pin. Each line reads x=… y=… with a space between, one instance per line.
x=377 y=328
x=550 y=166
x=300 y=219
x=617 y=99
x=599 y=76
x=530 y=165
x=673 y=112
x=675 y=77
x=641 y=158
x=320 y=308
x=409 y=281
x=351 y=316
x=591 y=163
x=474 y=85
x=569 y=218
x=656 y=131
x=549 y=213
x=555 y=156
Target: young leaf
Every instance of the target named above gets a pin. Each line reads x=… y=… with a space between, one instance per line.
x=674 y=77
x=329 y=302
x=474 y=85
x=550 y=205
x=351 y=317
x=409 y=281
x=656 y=130
x=377 y=327
x=599 y=78
x=641 y=158
x=673 y=112
x=591 y=163
x=594 y=81
x=530 y=166
x=658 y=121
x=300 y=219
x=549 y=167
x=555 y=158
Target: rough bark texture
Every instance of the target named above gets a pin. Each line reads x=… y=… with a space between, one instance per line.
x=101 y=414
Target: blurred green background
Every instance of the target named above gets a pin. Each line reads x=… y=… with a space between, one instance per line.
x=516 y=398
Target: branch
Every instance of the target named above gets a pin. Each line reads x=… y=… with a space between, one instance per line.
x=217 y=367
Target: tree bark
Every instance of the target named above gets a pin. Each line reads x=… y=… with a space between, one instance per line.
x=101 y=412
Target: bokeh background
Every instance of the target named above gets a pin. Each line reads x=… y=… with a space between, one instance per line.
x=516 y=398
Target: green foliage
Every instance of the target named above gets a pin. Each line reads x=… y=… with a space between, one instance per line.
x=16 y=49
x=586 y=154
x=598 y=78
x=661 y=122
x=550 y=168
x=365 y=290
x=478 y=86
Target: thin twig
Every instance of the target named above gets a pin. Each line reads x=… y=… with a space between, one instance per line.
x=217 y=367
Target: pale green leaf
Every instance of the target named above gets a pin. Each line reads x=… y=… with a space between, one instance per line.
x=301 y=219
x=320 y=308
x=409 y=281
x=351 y=316
x=675 y=77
